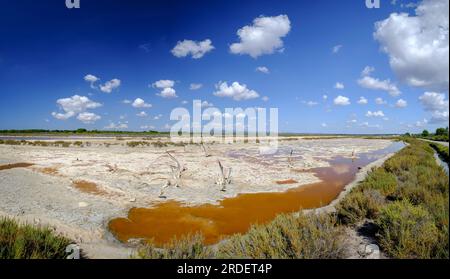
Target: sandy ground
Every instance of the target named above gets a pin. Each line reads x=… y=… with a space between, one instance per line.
x=123 y=177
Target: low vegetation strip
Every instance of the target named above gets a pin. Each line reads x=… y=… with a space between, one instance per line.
x=28 y=242
x=406 y=200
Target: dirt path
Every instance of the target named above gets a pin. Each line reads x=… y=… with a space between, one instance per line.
x=438 y=142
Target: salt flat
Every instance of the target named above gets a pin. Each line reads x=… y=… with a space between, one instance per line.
x=53 y=191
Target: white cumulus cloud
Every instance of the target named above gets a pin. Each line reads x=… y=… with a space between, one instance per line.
x=339 y=85
x=341 y=101
x=236 y=91
x=168 y=93
x=163 y=83
x=437 y=104
x=363 y=101
x=167 y=90
x=196 y=49
x=88 y=117
x=433 y=101
x=375 y=114
x=336 y=48
x=140 y=103
x=91 y=79
x=377 y=84
x=417 y=45
x=142 y=114
x=380 y=101
x=63 y=116
x=109 y=86
x=114 y=126
x=310 y=103
x=401 y=103
x=263 y=69
x=74 y=105
x=195 y=86
x=367 y=71
x=263 y=37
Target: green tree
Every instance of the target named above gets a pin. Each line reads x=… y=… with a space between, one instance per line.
x=425 y=133
x=440 y=131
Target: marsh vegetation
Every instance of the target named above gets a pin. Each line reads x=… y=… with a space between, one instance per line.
x=30 y=242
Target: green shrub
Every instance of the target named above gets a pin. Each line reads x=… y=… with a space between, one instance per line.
x=11 y=142
x=381 y=180
x=288 y=237
x=27 y=242
x=78 y=143
x=408 y=231
x=41 y=143
x=62 y=143
x=159 y=144
x=358 y=205
x=188 y=247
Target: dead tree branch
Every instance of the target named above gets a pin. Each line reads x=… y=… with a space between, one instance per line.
x=177 y=172
x=224 y=178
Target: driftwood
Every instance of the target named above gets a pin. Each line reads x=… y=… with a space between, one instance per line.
x=163 y=188
x=205 y=151
x=291 y=159
x=224 y=178
x=175 y=180
x=177 y=172
x=112 y=168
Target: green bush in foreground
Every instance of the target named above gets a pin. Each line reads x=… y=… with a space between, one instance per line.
x=359 y=205
x=288 y=237
x=27 y=242
x=381 y=180
x=408 y=231
x=188 y=247
x=413 y=213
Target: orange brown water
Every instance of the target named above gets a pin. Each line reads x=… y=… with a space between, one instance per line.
x=14 y=166
x=49 y=171
x=88 y=187
x=286 y=182
x=235 y=215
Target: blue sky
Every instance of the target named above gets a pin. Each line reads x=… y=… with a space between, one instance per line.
x=46 y=51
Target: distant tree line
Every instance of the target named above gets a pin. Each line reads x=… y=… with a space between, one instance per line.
x=77 y=131
x=441 y=134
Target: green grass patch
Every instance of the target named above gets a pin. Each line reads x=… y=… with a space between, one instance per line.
x=27 y=242
x=409 y=231
x=288 y=237
x=188 y=247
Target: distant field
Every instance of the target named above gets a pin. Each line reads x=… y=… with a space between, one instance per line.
x=98 y=133
x=79 y=132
